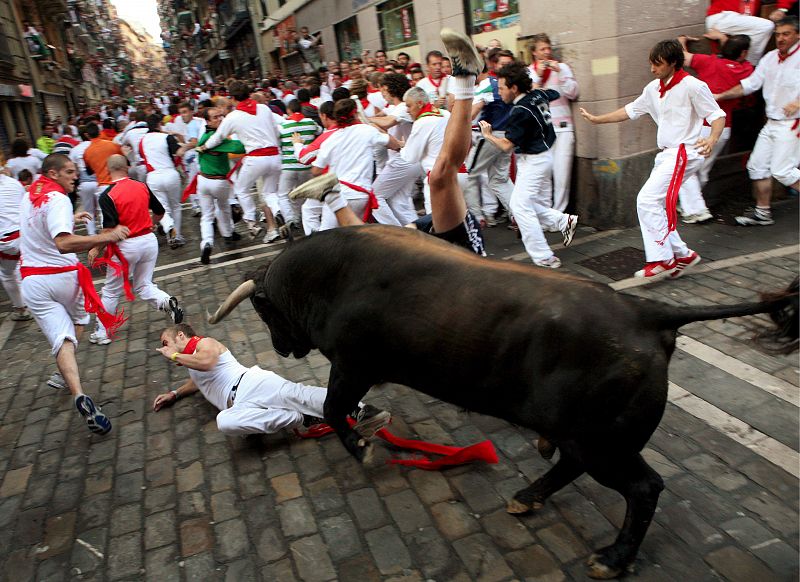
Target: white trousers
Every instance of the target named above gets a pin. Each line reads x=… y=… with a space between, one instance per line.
x=311 y=212
x=718 y=147
x=267 y=403
x=214 y=203
x=56 y=303
x=776 y=153
x=691 y=194
x=141 y=253
x=166 y=187
x=530 y=203
x=758 y=29
x=563 y=152
x=9 y=273
x=289 y=180
x=89 y=194
x=651 y=207
x=268 y=168
x=394 y=188
x=486 y=158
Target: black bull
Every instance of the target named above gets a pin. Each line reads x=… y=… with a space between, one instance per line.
x=575 y=361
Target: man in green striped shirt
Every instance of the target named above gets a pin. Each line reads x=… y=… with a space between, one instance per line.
x=294 y=173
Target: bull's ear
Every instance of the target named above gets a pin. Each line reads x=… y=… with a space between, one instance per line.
x=259 y=294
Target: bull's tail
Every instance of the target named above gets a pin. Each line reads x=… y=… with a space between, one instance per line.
x=781 y=306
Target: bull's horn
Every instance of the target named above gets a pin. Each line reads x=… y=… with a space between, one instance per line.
x=241 y=293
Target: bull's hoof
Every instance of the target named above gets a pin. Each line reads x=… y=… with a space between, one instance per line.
x=600 y=571
x=516 y=507
x=546 y=448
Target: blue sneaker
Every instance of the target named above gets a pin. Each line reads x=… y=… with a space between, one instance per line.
x=98 y=422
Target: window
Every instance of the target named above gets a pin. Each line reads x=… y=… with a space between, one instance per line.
x=348 y=39
x=489 y=15
x=398 y=29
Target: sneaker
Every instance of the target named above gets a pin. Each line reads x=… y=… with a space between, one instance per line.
x=100 y=340
x=205 y=254
x=279 y=220
x=286 y=230
x=178 y=241
x=370 y=420
x=272 y=236
x=316 y=188
x=491 y=222
x=466 y=59
x=552 y=262
x=20 y=314
x=254 y=229
x=684 y=263
x=696 y=218
x=657 y=270
x=756 y=217
x=57 y=381
x=175 y=312
x=97 y=421
x=569 y=229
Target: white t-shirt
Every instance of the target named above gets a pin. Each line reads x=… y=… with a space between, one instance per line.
x=30 y=163
x=11 y=193
x=39 y=226
x=425 y=141
x=376 y=98
x=156 y=150
x=131 y=138
x=254 y=131
x=76 y=155
x=402 y=129
x=434 y=91
x=779 y=82
x=192 y=130
x=348 y=152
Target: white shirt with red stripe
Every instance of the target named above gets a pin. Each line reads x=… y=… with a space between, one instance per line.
x=156 y=151
x=348 y=153
x=40 y=225
x=425 y=141
x=11 y=193
x=261 y=130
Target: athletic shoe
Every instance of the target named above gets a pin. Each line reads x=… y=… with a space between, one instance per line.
x=684 y=263
x=57 y=381
x=696 y=218
x=286 y=230
x=552 y=262
x=657 y=270
x=178 y=241
x=279 y=220
x=205 y=254
x=254 y=229
x=272 y=236
x=370 y=420
x=569 y=229
x=97 y=421
x=465 y=58
x=490 y=221
x=175 y=312
x=236 y=213
x=756 y=217
x=171 y=238
x=20 y=314
x=316 y=188
x=100 y=340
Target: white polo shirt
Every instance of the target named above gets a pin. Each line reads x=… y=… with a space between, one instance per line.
x=254 y=131
x=425 y=141
x=11 y=193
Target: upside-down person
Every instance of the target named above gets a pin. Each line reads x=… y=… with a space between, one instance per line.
x=250 y=400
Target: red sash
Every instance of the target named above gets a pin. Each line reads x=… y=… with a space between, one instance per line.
x=483 y=451
x=121 y=268
x=147 y=166
x=190 y=189
x=672 y=192
x=260 y=152
x=13 y=236
x=372 y=202
x=8 y=257
x=679 y=75
x=91 y=301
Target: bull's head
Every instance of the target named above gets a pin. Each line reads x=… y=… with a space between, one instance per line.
x=285 y=338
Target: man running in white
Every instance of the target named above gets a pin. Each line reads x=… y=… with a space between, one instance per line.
x=293 y=172
x=56 y=287
x=250 y=400
x=188 y=129
x=11 y=194
x=258 y=128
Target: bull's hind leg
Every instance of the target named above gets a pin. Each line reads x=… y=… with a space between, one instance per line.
x=641 y=486
x=343 y=397
x=564 y=472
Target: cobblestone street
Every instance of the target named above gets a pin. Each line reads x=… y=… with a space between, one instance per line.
x=166 y=496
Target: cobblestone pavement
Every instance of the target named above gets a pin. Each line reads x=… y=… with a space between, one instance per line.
x=166 y=497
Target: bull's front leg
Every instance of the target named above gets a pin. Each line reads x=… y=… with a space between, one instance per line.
x=343 y=397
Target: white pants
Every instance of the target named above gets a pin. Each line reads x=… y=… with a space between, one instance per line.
x=486 y=158
x=563 y=151
x=56 y=303
x=311 y=212
x=89 y=193
x=651 y=206
x=213 y=193
x=192 y=165
x=355 y=200
x=530 y=203
x=691 y=194
x=166 y=187
x=267 y=403
x=718 y=147
x=9 y=273
x=776 y=153
x=394 y=189
x=141 y=253
x=758 y=29
x=289 y=180
x=268 y=168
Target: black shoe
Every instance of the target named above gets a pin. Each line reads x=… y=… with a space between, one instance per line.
x=370 y=419
x=237 y=214
x=309 y=420
x=205 y=256
x=175 y=312
x=279 y=220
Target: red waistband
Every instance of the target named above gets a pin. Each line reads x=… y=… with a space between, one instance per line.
x=9 y=237
x=141 y=233
x=28 y=271
x=7 y=257
x=270 y=151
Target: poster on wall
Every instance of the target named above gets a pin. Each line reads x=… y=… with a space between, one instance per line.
x=489 y=15
x=284 y=33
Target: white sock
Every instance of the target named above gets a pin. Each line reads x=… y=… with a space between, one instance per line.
x=335 y=200
x=463 y=87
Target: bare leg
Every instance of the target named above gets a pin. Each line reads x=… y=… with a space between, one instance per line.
x=762 y=190
x=346 y=217
x=68 y=366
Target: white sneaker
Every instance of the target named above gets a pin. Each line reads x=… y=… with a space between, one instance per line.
x=272 y=236
x=100 y=340
x=549 y=263
x=569 y=229
x=699 y=217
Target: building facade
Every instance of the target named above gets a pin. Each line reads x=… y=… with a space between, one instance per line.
x=148 y=68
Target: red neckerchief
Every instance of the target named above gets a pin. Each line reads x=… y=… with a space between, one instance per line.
x=429 y=110
x=365 y=102
x=296 y=117
x=679 y=75
x=782 y=58
x=435 y=83
x=191 y=345
x=372 y=89
x=39 y=190
x=544 y=75
x=68 y=139
x=248 y=106
x=308 y=104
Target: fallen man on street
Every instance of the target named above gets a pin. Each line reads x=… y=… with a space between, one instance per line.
x=250 y=400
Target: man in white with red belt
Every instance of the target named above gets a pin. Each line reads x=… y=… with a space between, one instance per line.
x=258 y=128
x=56 y=287
x=129 y=203
x=678 y=103
x=11 y=194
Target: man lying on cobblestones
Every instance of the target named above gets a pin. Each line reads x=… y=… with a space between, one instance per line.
x=250 y=400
